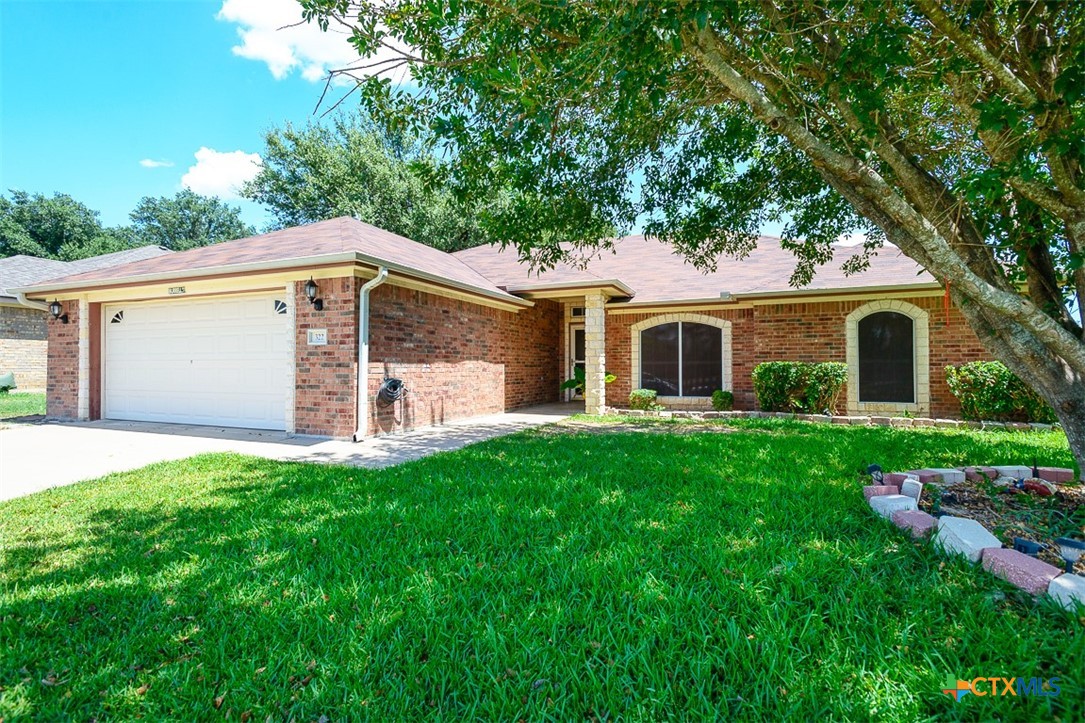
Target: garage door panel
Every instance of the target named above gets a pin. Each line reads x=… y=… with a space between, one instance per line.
x=212 y=361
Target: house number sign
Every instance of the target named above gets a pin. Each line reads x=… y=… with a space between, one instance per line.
x=175 y=290
x=318 y=337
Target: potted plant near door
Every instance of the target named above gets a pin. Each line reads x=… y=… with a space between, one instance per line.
x=577 y=381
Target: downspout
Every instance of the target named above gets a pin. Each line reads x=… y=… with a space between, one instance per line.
x=363 y=352
x=22 y=300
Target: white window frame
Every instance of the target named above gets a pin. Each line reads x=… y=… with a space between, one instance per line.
x=570 y=355
x=920 y=362
x=725 y=359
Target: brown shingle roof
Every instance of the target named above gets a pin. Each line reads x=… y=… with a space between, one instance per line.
x=657 y=273
x=651 y=269
x=327 y=238
x=21 y=270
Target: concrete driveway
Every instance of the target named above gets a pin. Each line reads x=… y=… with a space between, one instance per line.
x=40 y=456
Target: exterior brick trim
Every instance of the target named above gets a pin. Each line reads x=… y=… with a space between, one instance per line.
x=921 y=349
x=723 y=324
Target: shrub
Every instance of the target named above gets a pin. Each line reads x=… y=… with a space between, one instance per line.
x=798 y=386
x=722 y=401
x=824 y=383
x=644 y=399
x=990 y=391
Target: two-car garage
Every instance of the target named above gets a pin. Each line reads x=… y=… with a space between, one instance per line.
x=212 y=361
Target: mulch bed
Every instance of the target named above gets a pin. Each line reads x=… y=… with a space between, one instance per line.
x=1008 y=515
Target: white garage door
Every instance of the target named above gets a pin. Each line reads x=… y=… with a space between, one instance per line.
x=220 y=361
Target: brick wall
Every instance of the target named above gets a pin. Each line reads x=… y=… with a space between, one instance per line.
x=20 y=322
x=532 y=346
x=743 y=358
x=458 y=359
x=811 y=332
x=326 y=376
x=23 y=346
x=62 y=387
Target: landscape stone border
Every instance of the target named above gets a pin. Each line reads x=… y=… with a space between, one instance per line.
x=962 y=536
x=835 y=419
x=953 y=535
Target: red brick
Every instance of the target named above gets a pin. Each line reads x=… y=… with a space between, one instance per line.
x=976 y=474
x=1056 y=474
x=918 y=522
x=1028 y=573
x=878 y=490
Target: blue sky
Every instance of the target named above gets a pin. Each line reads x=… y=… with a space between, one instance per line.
x=89 y=89
x=110 y=101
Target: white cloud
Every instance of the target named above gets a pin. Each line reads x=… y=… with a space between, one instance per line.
x=151 y=163
x=851 y=239
x=269 y=33
x=221 y=174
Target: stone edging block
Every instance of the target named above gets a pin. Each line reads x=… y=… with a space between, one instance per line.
x=962 y=536
x=862 y=421
x=1059 y=475
x=1068 y=591
x=876 y=490
x=886 y=505
x=918 y=522
x=1031 y=575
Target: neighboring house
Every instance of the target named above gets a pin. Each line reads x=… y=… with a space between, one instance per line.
x=23 y=330
x=227 y=334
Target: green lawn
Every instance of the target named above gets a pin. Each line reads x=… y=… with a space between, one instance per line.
x=543 y=576
x=21 y=404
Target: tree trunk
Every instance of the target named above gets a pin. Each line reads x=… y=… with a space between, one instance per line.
x=1028 y=358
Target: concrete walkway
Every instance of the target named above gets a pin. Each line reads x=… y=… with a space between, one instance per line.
x=53 y=454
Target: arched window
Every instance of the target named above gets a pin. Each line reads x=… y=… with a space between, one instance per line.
x=888 y=354
x=682 y=359
x=887 y=358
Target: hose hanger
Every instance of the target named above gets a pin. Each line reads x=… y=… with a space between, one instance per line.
x=390 y=392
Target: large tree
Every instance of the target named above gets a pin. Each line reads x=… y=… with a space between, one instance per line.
x=55 y=228
x=956 y=131
x=350 y=167
x=186 y=221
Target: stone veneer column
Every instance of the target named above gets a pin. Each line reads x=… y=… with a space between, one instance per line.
x=83 y=398
x=290 y=296
x=595 y=395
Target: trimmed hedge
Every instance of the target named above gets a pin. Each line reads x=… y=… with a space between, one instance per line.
x=799 y=386
x=644 y=399
x=989 y=391
x=723 y=401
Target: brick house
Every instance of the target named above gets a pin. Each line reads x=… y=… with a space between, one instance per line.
x=23 y=330
x=280 y=331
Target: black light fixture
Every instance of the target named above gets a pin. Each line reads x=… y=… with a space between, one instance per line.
x=1070 y=551
x=55 y=309
x=311 y=290
x=1027 y=547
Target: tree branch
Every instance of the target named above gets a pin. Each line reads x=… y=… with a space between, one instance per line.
x=976 y=51
x=864 y=187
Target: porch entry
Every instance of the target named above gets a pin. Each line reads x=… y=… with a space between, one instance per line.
x=575 y=355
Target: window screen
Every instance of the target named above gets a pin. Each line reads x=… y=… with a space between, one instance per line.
x=659 y=359
x=886 y=358
x=702 y=354
x=682 y=359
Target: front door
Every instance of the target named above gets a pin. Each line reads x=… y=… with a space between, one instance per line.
x=576 y=354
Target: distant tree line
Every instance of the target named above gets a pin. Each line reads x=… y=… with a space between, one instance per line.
x=346 y=167
x=60 y=227
x=349 y=166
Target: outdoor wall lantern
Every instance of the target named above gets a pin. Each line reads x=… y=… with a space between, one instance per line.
x=311 y=290
x=1070 y=551
x=55 y=309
